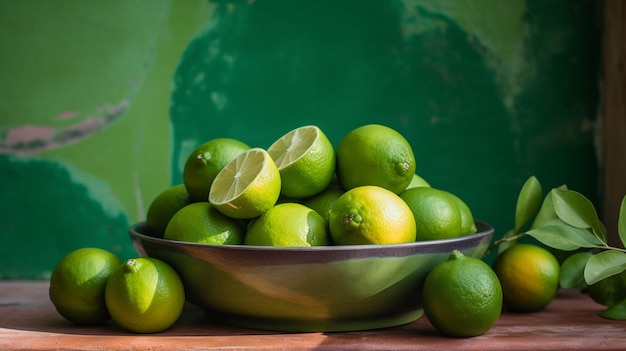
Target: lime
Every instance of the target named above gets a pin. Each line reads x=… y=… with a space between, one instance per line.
x=462 y=296
x=323 y=202
x=375 y=155
x=206 y=161
x=288 y=224
x=306 y=161
x=529 y=275
x=163 y=208
x=609 y=290
x=417 y=181
x=77 y=285
x=436 y=212
x=468 y=226
x=371 y=215
x=200 y=222
x=248 y=186
x=145 y=295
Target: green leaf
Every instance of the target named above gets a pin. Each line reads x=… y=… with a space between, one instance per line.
x=576 y=210
x=603 y=265
x=546 y=212
x=621 y=223
x=572 y=270
x=528 y=202
x=600 y=232
x=559 y=235
x=616 y=312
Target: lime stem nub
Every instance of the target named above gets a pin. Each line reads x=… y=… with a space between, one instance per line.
x=130 y=265
x=456 y=254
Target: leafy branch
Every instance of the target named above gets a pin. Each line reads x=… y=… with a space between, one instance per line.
x=566 y=220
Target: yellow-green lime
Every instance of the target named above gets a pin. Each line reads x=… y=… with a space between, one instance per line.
x=375 y=155
x=462 y=296
x=164 y=206
x=248 y=186
x=417 y=181
x=323 y=202
x=436 y=213
x=529 y=275
x=371 y=215
x=306 y=161
x=204 y=162
x=145 y=295
x=288 y=224
x=78 y=282
x=200 y=222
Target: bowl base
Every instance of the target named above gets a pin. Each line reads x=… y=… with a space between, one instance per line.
x=329 y=325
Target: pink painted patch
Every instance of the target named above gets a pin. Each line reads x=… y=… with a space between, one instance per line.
x=30 y=139
x=28 y=133
x=66 y=115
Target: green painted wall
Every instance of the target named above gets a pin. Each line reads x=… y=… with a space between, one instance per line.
x=101 y=103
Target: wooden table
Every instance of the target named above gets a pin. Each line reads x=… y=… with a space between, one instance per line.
x=28 y=321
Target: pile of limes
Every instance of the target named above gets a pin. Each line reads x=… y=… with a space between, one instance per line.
x=301 y=191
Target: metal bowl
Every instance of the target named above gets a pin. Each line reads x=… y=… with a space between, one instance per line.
x=306 y=289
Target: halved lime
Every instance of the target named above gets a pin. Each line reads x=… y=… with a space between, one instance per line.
x=248 y=186
x=306 y=161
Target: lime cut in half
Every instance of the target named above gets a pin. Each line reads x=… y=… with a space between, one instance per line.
x=248 y=186
x=306 y=161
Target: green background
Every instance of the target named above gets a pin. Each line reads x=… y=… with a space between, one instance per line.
x=102 y=102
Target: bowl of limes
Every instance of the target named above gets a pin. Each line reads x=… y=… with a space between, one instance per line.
x=303 y=236
x=318 y=288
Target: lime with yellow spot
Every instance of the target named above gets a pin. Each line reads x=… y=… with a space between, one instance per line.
x=529 y=275
x=371 y=215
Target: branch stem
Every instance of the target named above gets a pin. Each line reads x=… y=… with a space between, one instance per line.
x=503 y=240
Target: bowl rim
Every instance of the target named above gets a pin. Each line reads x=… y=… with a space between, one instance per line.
x=484 y=230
